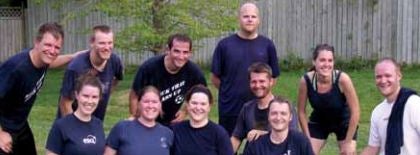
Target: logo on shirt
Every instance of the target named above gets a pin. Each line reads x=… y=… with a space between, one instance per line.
x=90 y=139
x=174 y=91
x=163 y=142
x=37 y=87
x=288 y=152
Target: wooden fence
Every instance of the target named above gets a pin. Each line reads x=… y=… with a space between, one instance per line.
x=11 y=32
x=357 y=28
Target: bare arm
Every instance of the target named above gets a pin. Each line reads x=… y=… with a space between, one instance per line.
x=215 y=80
x=64 y=59
x=180 y=114
x=50 y=153
x=133 y=99
x=235 y=143
x=302 y=97
x=110 y=151
x=370 y=150
x=65 y=106
x=353 y=102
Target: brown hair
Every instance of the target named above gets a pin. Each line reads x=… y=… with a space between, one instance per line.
x=199 y=89
x=53 y=28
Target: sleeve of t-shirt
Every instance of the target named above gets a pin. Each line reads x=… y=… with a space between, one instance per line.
x=114 y=136
x=305 y=146
x=139 y=78
x=119 y=68
x=200 y=79
x=69 y=81
x=216 y=65
x=239 y=131
x=7 y=81
x=224 y=144
x=414 y=103
x=55 y=141
x=374 y=139
x=273 y=60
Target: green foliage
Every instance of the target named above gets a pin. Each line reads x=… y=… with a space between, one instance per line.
x=292 y=62
x=355 y=63
x=154 y=20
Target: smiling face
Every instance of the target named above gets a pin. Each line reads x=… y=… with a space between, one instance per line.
x=48 y=47
x=178 y=55
x=87 y=99
x=249 y=18
x=102 y=44
x=279 y=116
x=150 y=106
x=324 y=63
x=198 y=107
x=260 y=84
x=387 y=78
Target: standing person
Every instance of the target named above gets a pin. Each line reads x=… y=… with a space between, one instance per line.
x=21 y=78
x=334 y=102
x=280 y=140
x=232 y=57
x=99 y=61
x=173 y=74
x=199 y=135
x=252 y=120
x=142 y=135
x=79 y=133
x=395 y=123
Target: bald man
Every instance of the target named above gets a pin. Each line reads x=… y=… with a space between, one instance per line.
x=231 y=59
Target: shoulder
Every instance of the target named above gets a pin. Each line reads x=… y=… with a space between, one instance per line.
x=16 y=61
x=297 y=136
x=250 y=104
x=180 y=125
x=153 y=62
x=344 y=77
x=413 y=102
x=218 y=128
x=115 y=58
x=379 y=110
x=163 y=128
x=264 y=38
x=80 y=61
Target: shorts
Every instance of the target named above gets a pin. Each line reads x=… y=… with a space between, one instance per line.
x=322 y=131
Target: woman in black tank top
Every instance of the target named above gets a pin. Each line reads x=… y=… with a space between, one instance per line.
x=334 y=102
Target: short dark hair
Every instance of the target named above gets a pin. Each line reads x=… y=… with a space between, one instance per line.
x=99 y=28
x=199 y=89
x=179 y=37
x=259 y=67
x=88 y=79
x=53 y=28
x=281 y=100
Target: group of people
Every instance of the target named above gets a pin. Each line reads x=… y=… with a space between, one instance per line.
x=169 y=87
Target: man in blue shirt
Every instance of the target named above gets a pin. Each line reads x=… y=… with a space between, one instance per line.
x=99 y=61
x=21 y=78
x=231 y=59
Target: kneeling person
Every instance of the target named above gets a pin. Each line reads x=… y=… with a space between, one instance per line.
x=280 y=140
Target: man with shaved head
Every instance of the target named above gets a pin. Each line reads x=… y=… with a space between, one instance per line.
x=231 y=59
x=395 y=123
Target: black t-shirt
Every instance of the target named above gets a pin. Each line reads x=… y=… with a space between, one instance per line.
x=20 y=82
x=172 y=86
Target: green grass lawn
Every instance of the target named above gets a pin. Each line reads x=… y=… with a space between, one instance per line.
x=45 y=108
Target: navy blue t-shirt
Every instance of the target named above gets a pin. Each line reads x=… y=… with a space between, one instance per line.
x=81 y=65
x=211 y=139
x=130 y=137
x=69 y=136
x=172 y=86
x=295 y=144
x=330 y=107
x=247 y=120
x=231 y=59
x=20 y=82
